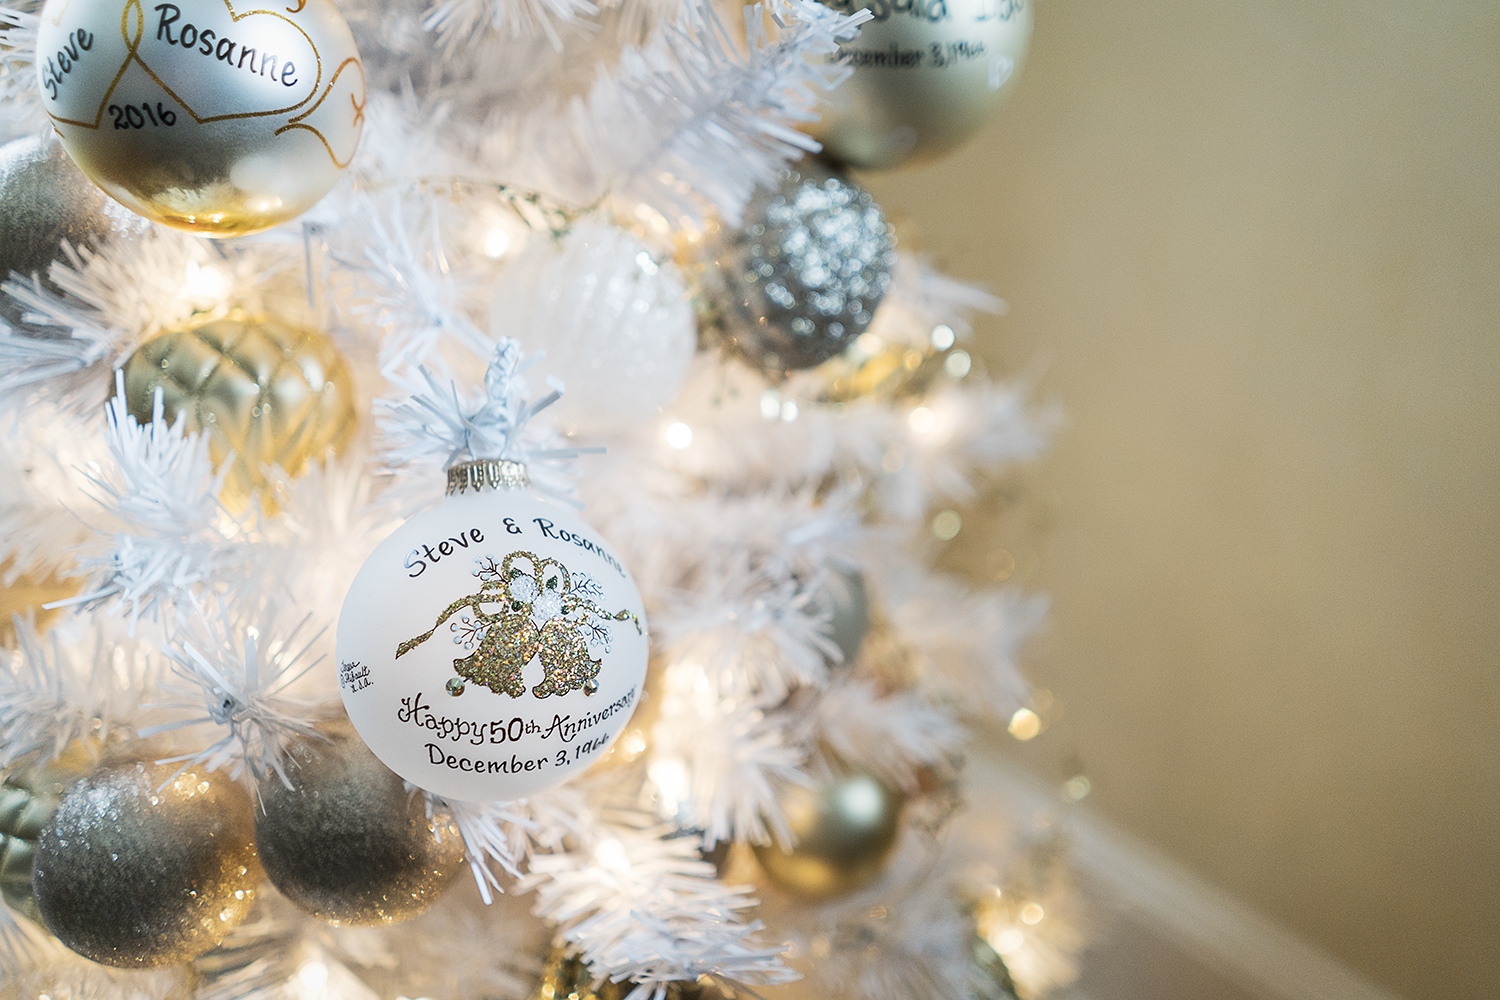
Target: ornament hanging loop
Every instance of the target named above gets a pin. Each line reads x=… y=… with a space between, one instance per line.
x=487 y=473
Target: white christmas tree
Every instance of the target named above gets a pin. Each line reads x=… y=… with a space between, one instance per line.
x=548 y=257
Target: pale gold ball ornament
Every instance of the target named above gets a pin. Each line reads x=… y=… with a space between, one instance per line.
x=199 y=115
x=137 y=868
x=347 y=843
x=927 y=74
x=845 y=832
x=269 y=392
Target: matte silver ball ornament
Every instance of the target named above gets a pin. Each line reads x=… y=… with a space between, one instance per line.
x=137 y=868
x=926 y=75
x=44 y=200
x=806 y=269
x=347 y=843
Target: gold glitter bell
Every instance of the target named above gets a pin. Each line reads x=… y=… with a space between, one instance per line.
x=845 y=831
x=137 y=868
x=270 y=393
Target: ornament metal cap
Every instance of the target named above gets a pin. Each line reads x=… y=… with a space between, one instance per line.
x=487 y=474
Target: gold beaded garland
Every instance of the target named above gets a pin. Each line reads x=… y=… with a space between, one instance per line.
x=845 y=831
x=266 y=391
x=137 y=868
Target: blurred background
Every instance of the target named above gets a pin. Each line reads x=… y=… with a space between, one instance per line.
x=1254 y=251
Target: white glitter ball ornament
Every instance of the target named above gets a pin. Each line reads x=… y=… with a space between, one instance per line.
x=493 y=646
x=200 y=115
x=616 y=324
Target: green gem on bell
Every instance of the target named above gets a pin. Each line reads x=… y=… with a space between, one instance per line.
x=265 y=391
x=845 y=832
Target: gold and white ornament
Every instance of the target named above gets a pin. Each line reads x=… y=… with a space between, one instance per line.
x=268 y=392
x=845 y=831
x=137 y=868
x=927 y=74
x=201 y=116
x=44 y=201
x=347 y=842
x=492 y=646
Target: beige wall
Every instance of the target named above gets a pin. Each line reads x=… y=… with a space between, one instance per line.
x=1257 y=246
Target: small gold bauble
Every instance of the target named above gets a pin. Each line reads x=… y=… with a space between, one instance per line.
x=200 y=116
x=845 y=831
x=567 y=977
x=137 y=868
x=347 y=842
x=926 y=74
x=270 y=393
x=26 y=593
x=29 y=792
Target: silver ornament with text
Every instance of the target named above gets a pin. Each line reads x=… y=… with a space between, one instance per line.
x=926 y=75
x=493 y=646
x=199 y=115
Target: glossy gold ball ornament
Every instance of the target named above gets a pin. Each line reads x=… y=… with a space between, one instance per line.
x=347 y=843
x=200 y=115
x=926 y=75
x=23 y=593
x=44 y=201
x=567 y=977
x=268 y=392
x=137 y=868
x=845 y=831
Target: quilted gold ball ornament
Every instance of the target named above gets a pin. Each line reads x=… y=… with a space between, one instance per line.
x=926 y=75
x=137 y=868
x=271 y=393
x=347 y=842
x=199 y=115
x=845 y=831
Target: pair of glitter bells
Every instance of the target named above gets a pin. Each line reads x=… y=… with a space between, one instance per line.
x=529 y=590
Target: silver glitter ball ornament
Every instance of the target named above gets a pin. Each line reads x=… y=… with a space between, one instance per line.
x=347 y=842
x=44 y=200
x=138 y=868
x=803 y=274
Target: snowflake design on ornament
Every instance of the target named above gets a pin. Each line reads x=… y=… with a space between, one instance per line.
x=540 y=612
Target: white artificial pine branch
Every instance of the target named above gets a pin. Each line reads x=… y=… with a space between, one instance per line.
x=507 y=833
x=893 y=734
x=457 y=21
x=689 y=115
x=642 y=906
x=164 y=493
x=234 y=666
x=20 y=98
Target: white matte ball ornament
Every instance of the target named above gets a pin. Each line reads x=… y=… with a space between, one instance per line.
x=616 y=324
x=927 y=74
x=493 y=646
x=201 y=115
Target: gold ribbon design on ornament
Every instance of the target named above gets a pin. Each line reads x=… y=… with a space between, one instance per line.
x=540 y=614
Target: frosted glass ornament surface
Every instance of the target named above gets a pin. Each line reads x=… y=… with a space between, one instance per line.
x=200 y=114
x=927 y=74
x=616 y=324
x=491 y=647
